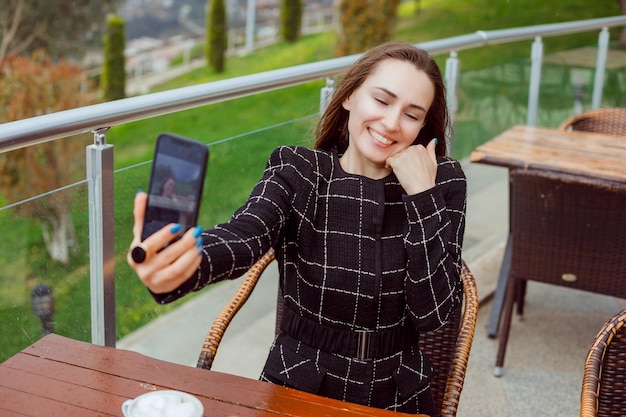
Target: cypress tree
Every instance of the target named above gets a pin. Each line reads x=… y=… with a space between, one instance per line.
x=217 y=36
x=113 y=77
x=291 y=19
x=365 y=23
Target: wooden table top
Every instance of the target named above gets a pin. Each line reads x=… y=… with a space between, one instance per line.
x=582 y=153
x=57 y=376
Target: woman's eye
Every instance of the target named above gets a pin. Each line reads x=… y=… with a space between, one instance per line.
x=412 y=116
x=380 y=100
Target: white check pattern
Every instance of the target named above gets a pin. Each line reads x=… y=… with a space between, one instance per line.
x=353 y=253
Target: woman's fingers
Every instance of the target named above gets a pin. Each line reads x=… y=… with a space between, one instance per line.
x=139 y=211
x=141 y=252
x=430 y=148
x=162 y=262
x=176 y=273
x=167 y=269
x=168 y=278
x=415 y=167
x=177 y=262
x=176 y=250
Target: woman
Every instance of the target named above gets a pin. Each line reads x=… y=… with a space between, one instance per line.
x=367 y=229
x=168 y=187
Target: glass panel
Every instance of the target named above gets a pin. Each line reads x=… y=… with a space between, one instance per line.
x=491 y=100
x=236 y=164
x=494 y=98
x=37 y=292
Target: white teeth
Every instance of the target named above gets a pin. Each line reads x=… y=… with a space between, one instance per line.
x=379 y=138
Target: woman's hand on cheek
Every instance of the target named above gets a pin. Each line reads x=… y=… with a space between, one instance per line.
x=166 y=270
x=415 y=167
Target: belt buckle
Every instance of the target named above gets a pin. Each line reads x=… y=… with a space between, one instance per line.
x=364 y=342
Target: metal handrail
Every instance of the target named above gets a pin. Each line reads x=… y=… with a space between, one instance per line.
x=27 y=132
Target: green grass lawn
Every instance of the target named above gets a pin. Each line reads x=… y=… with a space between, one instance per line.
x=238 y=156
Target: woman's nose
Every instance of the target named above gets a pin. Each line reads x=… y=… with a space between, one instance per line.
x=391 y=121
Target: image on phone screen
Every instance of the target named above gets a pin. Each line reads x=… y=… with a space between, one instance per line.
x=176 y=183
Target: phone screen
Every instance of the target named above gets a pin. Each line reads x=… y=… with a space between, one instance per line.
x=176 y=183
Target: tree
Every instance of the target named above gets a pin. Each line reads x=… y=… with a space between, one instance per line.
x=64 y=28
x=291 y=19
x=217 y=35
x=30 y=87
x=365 y=23
x=113 y=77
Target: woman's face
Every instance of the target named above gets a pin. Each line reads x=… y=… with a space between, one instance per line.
x=387 y=112
x=168 y=187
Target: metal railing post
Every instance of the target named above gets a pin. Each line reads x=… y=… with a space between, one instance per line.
x=536 y=58
x=598 y=81
x=250 y=25
x=326 y=94
x=452 y=74
x=101 y=239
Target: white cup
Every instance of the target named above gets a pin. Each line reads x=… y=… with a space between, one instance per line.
x=163 y=403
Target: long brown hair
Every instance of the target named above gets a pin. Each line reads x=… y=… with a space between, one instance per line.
x=332 y=129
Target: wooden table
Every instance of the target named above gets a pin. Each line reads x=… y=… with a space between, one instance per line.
x=582 y=153
x=523 y=147
x=57 y=376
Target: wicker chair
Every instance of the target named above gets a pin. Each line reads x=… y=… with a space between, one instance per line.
x=448 y=347
x=611 y=121
x=604 y=385
x=567 y=231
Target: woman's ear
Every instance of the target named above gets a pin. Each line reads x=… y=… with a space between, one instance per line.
x=346 y=104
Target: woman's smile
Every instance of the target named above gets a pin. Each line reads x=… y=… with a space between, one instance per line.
x=379 y=138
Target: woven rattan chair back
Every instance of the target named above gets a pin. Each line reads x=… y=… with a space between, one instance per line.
x=448 y=348
x=604 y=383
x=611 y=121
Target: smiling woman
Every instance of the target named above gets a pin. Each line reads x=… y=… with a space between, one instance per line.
x=367 y=230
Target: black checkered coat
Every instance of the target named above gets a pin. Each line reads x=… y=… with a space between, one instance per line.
x=353 y=253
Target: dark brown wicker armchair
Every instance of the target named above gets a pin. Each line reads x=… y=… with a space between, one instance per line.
x=611 y=121
x=448 y=347
x=604 y=383
x=566 y=230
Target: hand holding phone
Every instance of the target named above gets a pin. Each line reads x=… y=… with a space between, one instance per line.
x=176 y=185
x=167 y=270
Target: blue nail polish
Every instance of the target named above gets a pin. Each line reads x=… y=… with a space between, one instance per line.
x=199 y=243
x=436 y=141
x=175 y=228
x=139 y=191
x=197 y=232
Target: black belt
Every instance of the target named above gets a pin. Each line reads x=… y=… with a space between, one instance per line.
x=360 y=344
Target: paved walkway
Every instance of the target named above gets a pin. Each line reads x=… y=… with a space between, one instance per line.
x=546 y=352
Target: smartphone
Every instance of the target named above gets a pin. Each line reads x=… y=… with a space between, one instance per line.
x=176 y=183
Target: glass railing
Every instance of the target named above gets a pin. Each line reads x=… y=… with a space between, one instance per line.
x=489 y=101
x=236 y=164
x=495 y=98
